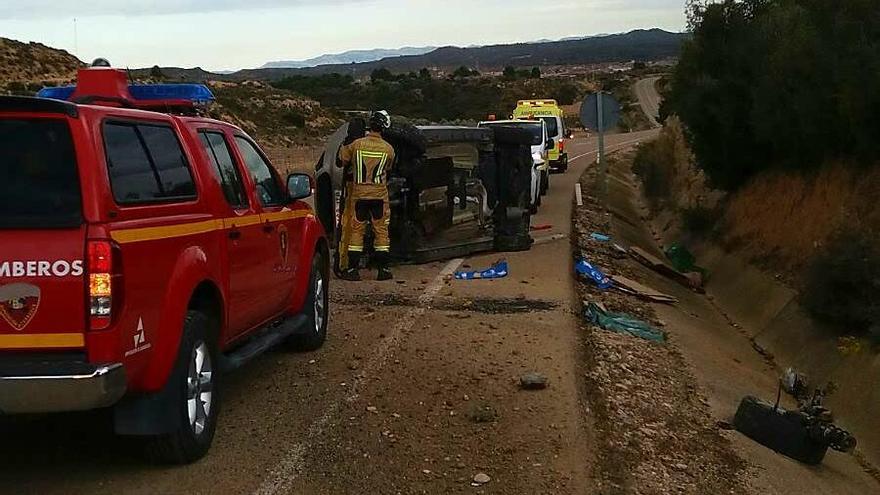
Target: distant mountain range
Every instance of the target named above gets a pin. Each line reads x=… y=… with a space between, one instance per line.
x=349 y=57
x=641 y=45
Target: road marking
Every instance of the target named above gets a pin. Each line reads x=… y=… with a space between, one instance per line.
x=292 y=463
x=614 y=147
x=579 y=194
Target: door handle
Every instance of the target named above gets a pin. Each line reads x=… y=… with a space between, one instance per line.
x=235 y=234
x=268 y=228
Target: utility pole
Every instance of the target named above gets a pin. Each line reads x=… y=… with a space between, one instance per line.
x=603 y=172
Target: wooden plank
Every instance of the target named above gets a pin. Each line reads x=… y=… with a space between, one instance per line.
x=578 y=194
x=632 y=287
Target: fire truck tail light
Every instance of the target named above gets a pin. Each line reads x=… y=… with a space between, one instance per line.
x=100 y=266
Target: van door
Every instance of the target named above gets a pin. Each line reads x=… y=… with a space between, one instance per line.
x=42 y=236
x=281 y=241
x=244 y=243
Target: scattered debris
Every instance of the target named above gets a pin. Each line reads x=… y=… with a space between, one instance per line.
x=548 y=239
x=497 y=270
x=482 y=412
x=544 y=226
x=694 y=282
x=634 y=288
x=600 y=237
x=481 y=479
x=586 y=269
x=533 y=381
x=622 y=323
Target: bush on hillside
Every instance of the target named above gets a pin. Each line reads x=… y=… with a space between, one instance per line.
x=843 y=282
x=654 y=164
x=779 y=83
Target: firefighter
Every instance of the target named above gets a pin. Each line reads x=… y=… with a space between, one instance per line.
x=370 y=159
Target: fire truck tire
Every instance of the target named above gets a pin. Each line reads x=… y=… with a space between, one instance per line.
x=316 y=309
x=779 y=430
x=196 y=403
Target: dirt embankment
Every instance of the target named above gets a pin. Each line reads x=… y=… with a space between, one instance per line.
x=758 y=247
x=653 y=424
x=785 y=219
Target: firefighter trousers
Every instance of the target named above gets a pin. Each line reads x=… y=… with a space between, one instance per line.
x=370 y=211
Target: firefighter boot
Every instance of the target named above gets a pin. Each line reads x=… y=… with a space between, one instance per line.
x=352 y=273
x=384 y=272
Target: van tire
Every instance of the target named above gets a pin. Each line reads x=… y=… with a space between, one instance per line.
x=317 y=300
x=188 y=443
x=777 y=429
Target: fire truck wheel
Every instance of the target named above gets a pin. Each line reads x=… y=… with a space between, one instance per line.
x=779 y=430
x=196 y=399
x=316 y=309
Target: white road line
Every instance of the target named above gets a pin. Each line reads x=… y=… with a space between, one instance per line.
x=610 y=148
x=292 y=461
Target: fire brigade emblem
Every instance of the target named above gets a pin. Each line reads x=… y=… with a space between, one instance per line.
x=284 y=241
x=19 y=304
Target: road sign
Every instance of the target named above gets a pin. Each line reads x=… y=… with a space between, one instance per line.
x=590 y=112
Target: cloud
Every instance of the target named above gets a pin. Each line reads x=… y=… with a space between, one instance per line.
x=46 y=9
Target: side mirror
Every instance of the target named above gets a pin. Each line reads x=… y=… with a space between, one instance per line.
x=299 y=186
x=551 y=145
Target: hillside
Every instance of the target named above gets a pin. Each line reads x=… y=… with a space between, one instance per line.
x=26 y=67
x=642 y=45
x=349 y=57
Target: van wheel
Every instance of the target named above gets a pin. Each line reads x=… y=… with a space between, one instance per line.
x=316 y=309
x=196 y=403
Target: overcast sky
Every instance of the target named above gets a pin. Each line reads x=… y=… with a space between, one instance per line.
x=228 y=34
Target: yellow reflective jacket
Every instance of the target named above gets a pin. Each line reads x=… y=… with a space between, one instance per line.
x=371 y=158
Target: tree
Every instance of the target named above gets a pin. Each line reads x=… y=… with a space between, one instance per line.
x=510 y=72
x=156 y=73
x=778 y=83
x=463 y=72
x=425 y=74
x=536 y=73
x=381 y=74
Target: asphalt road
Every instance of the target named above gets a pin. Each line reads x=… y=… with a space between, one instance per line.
x=415 y=392
x=649 y=98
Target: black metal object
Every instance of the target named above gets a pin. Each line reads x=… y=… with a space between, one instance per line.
x=37 y=105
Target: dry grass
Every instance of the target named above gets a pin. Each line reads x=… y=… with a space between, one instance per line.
x=289 y=159
x=787 y=218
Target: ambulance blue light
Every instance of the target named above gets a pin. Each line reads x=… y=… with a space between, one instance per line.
x=196 y=93
x=58 y=93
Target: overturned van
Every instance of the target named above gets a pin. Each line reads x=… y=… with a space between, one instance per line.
x=453 y=191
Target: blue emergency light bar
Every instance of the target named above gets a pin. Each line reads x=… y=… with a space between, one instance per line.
x=57 y=93
x=196 y=93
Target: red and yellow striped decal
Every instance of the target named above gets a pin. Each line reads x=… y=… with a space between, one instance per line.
x=126 y=236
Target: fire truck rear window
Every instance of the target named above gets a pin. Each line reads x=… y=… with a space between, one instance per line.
x=39 y=183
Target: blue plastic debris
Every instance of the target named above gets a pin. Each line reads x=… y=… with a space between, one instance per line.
x=585 y=268
x=498 y=270
x=622 y=323
x=600 y=237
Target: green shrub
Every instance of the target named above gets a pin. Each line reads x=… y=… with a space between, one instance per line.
x=654 y=164
x=843 y=282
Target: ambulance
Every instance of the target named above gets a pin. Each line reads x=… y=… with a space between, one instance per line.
x=550 y=112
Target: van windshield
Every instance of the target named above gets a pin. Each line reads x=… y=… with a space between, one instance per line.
x=552 y=126
x=39 y=183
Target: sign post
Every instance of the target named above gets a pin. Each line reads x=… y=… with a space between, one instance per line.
x=600 y=112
